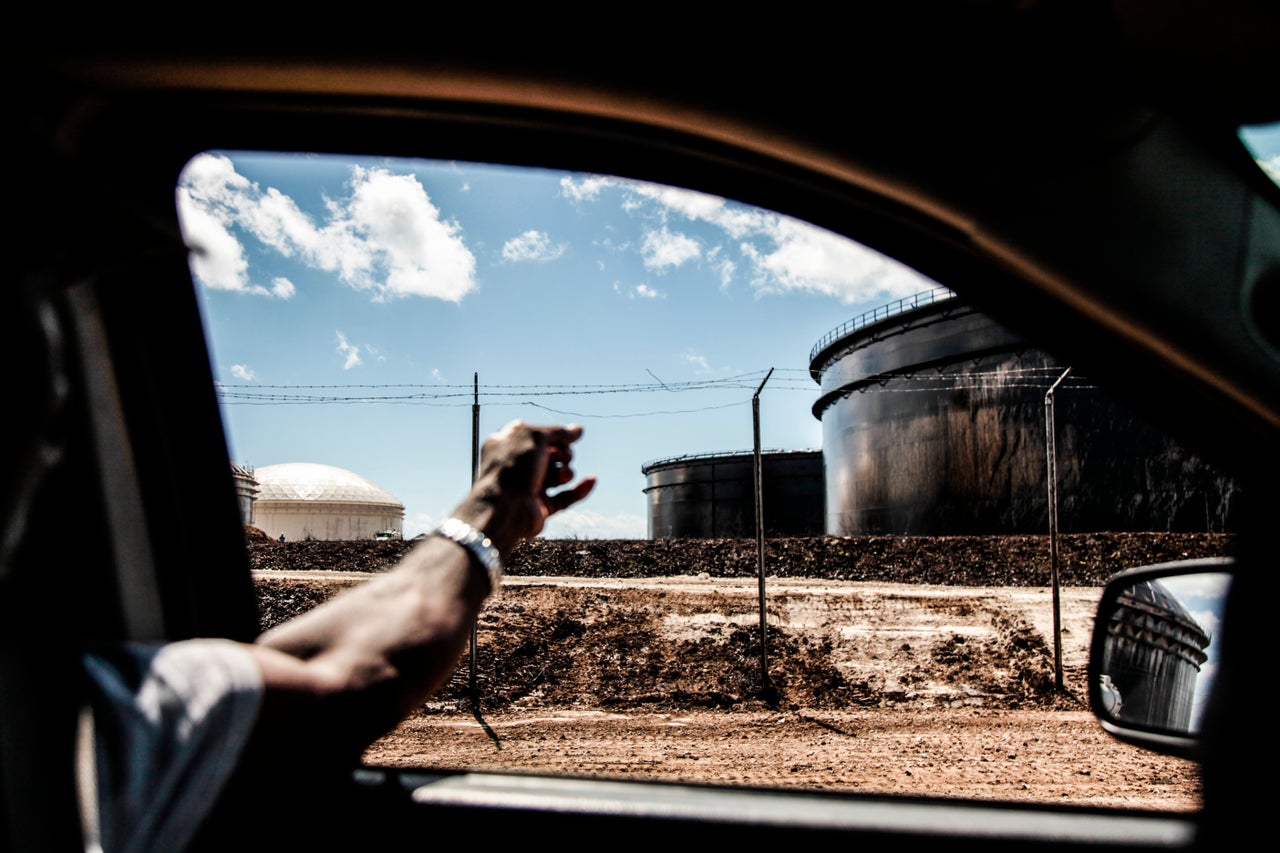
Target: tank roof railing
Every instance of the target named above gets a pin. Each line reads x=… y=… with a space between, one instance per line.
x=875 y=315
x=727 y=454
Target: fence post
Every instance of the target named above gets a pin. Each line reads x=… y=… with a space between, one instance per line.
x=475 y=472
x=1051 y=467
x=766 y=688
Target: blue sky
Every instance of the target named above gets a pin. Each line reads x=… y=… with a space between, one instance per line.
x=350 y=305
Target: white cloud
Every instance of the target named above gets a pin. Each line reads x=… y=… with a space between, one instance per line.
x=532 y=246
x=801 y=257
x=639 y=291
x=385 y=237
x=782 y=254
x=612 y=245
x=723 y=266
x=1208 y=620
x=243 y=372
x=350 y=352
x=698 y=360
x=418 y=523
x=205 y=207
x=586 y=189
x=735 y=220
x=664 y=248
x=584 y=524
x=282 y=288
x=391 y=217
x=572 y=523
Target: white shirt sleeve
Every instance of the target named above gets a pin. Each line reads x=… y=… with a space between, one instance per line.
x=169 y=723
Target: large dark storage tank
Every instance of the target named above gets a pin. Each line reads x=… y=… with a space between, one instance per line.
x=934 y=423
x=711 y=496
x=1153 y=653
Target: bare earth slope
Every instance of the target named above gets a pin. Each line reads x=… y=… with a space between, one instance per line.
x=895 y=664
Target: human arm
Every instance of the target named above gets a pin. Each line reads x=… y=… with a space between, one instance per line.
x=351 y=669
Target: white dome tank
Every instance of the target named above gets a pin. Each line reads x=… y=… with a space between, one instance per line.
x=307 y=500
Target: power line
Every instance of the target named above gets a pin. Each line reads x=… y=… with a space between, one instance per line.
x=636 y=414
x=448 y=395
x=440 y=394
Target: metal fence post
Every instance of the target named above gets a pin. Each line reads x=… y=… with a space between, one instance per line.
x=765 y=687
x=475 y=472
x=1052 y=472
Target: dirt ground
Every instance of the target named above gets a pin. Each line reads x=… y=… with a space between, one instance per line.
x=874 y=685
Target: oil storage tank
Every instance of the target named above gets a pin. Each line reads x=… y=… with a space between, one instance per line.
x=934 y=423
x=713 y=495
x=1153 y=653
x=246 y=491
x=309 y=500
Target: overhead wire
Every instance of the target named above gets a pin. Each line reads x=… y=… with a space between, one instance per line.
x=498 y=394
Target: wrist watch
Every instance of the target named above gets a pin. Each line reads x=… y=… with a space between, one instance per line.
x=479 y=546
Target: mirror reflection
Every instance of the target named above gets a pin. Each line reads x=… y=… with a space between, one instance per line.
x=1160 y=651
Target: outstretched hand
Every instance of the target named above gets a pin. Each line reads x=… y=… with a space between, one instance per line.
x=522 y=470
x=366 y=658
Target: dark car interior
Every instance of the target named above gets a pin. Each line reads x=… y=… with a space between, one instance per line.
x=1073 y=168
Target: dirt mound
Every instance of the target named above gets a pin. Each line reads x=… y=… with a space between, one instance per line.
x=638 y=646
x=1084 y=559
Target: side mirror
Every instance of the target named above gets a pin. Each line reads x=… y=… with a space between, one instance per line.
x=1154 y=652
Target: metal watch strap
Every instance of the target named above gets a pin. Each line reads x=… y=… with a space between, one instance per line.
x=477 y=544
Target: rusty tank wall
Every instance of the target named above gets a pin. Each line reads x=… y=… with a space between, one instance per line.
x=934 y=423
x=711 y=496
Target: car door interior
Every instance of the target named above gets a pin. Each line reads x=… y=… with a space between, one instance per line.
x=1131 y=244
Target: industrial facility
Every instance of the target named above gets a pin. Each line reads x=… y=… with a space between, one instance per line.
x=934 y=422
x=709 y=496
x=306 y=500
